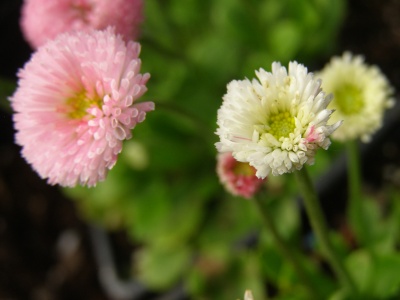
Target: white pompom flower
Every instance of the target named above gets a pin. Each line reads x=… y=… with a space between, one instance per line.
x=361 y=96
x=275 y=123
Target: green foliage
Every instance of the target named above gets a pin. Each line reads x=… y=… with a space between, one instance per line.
x=375 y=265
x=381 y=231
x=150 y=260
x=376 y=275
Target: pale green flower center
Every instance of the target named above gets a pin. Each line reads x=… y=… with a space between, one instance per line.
x=281 y=124
x=348 y=99
x=78 y=105
x=242 y=168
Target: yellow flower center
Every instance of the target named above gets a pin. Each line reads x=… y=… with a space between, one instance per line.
x=281 y=124
x=348 y=98
x=78 y=105
x=242 y=168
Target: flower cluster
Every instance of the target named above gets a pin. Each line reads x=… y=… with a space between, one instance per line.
x=275 y=123
x=43 y=20
x=361 y=96
x=75 y=104
x=237 y=177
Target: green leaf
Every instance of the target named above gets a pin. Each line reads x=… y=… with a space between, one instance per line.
x=106 y=202
x=360 y=265
x=376 y=275
x=286 y=215
x=386 y=279
x=231 y=220
x=380 y=232
x=169 y=215
x=160 y=268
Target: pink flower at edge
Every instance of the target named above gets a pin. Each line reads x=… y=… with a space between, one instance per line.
x=238 y=178
x=43 y=20
x=75 y=104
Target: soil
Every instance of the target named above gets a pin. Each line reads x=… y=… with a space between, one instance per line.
x=45 y=248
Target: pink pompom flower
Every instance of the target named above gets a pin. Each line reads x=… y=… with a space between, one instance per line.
x=43 y=20
x=237 y=177
x=74 y=105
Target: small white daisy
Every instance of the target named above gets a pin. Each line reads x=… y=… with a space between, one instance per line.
x=275 y=123
x=361 y=95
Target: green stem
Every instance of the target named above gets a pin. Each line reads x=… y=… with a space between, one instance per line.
x=318 y=223
x=284 y=248
x=354 y=208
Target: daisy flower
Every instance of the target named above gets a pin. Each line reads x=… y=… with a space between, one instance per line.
x=275 y=123
x=75 y=104
x=43 y=20
x=361 y=96
x=237 y=177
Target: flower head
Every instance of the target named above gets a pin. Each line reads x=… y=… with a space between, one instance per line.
x=275 y=123
x=43 y=20
x=237 y=177
x=361 y=95
x=74 y=105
